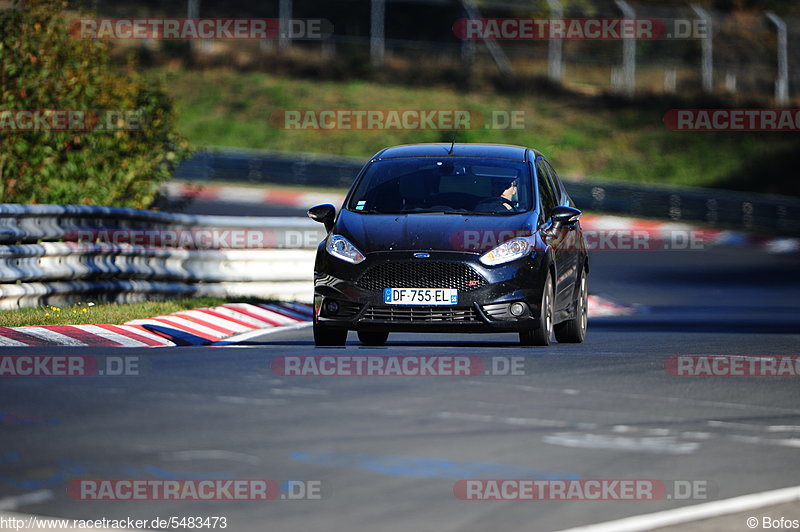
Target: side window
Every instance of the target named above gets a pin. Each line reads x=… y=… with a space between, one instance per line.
x=547 y=196
x=557 y=184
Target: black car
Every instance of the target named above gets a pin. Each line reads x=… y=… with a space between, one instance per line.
x=452 y=238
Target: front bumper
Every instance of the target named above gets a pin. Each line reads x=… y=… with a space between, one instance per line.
x=484 y=298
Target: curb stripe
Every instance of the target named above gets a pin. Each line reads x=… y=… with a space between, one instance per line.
x=285 y=312
x=53 y=337
x=24 y=337
x=210 y=316
x=187 y=326
x=122 y=339
x=207 y=324
x=234 y=319
x=241 y=314
x=256 y=313
x=147 y=333
x=138 y=335
x=82 y=335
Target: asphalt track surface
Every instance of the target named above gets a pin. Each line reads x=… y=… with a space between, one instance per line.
x=388 y=450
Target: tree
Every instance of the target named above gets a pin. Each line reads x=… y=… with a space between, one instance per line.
x=126 y=141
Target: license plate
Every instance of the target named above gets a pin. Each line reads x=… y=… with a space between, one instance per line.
x=420 y=296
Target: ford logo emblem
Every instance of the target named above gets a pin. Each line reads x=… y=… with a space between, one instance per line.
x=422 y=255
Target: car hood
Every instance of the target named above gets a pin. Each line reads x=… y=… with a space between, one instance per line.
x=430 y=232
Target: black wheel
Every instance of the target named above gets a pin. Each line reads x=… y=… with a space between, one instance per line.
x=573 y=331
x=543 y=334
x=373 y=337
x=329 y=336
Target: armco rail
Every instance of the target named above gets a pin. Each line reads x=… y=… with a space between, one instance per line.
x=56 y=254
x=775 y=215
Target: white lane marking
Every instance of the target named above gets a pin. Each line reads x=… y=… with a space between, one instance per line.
x=297 y=391
x=209 y=454
x=659 y=445
x=693 y=435
x=758 y=440
x=508 y=420
x=783 y=428
x=111 y=335
x=34 y=497
x=752 y=426
x=249 y=401
x=52 y=336
x=639 y=396
x=697 y=512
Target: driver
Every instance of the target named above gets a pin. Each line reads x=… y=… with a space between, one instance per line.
x=507 y=190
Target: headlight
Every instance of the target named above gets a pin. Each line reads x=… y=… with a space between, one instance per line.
x=506 y=252
x=341 y=248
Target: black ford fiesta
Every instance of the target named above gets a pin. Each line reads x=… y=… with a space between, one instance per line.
x=460 y=238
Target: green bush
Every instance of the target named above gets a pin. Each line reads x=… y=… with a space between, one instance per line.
x=43 y=67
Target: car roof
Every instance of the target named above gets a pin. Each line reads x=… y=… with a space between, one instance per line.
x=495 y=151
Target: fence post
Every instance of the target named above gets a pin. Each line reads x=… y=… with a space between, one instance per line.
x=467 y=46
x=782 y=83
x=284 y=24
x=192 y=11
x=495 y=51
x=555 y=69
x=628 y=51
x=376 y=35
x=707 y=49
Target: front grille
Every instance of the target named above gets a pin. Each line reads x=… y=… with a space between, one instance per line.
x=421 y=275
x=413 y=314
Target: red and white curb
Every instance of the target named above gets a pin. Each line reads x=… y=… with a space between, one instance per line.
x=605 y=224
x=604 y=306
x=190 y=327
x=291 y=198
x=233 y=322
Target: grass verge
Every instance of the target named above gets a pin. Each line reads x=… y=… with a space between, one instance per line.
x=106 y=313
x=584 y=136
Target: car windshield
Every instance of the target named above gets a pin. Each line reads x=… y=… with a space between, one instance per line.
x=450 y=185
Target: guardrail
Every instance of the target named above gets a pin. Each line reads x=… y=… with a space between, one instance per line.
x=773 y=214
x=58 y=254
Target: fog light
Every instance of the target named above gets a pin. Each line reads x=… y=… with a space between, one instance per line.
x=517 y=309
x=331 y=308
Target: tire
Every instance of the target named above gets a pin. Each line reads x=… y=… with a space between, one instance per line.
x=328 y=336
x=373 y=337
x=543 y=334
x=573 y=331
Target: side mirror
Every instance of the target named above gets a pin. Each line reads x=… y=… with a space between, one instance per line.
x=565 y=216
x=324 y=214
